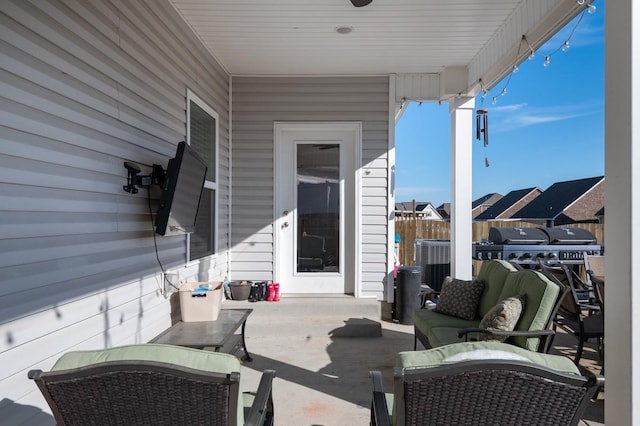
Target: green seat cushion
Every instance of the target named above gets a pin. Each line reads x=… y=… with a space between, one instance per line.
x=186 y=357
x=541 y=294
x=440 y=336
x=426 y=319
x=493 y=273
x=482 y=350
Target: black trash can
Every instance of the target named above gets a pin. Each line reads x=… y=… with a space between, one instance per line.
x=408 y=287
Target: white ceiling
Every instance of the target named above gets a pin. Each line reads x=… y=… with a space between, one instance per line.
x=298 y=37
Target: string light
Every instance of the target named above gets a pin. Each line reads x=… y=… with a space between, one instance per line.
x=532 y=53
x=564 y=47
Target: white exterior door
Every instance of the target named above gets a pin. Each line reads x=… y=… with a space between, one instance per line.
x=316 y=208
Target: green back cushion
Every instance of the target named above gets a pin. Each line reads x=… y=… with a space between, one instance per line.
x=482 y=350
x=541 y=294
x=186 y=357
x=493 y=273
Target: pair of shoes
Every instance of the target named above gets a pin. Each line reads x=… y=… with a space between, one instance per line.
x=258 y=291
x=274 y=292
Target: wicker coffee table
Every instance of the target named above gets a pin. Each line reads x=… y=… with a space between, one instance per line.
x=219 y=334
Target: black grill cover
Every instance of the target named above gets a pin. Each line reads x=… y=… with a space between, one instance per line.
x=517 y=236
x=569 y=236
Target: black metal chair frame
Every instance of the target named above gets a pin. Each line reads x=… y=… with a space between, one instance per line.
x=598 y=288
x=149 y=393
x=484 y=392
x=579 y=314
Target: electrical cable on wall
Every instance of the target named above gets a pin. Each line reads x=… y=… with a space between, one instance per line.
x=155 y=243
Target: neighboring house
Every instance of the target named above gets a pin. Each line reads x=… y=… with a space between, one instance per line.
x=421 y=209
x=509 y=204
x=273 y=96
x=566 y=202
x=444 y=210
x=483 y=203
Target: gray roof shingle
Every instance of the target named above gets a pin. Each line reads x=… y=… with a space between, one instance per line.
x=554 y=200
x=504 y=203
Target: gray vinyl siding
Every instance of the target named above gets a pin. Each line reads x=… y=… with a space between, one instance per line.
x=257 y=103
x=85 y=86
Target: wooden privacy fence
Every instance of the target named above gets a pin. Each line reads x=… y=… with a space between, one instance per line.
x=410 y=229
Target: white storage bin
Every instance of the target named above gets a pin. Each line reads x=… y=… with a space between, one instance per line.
x=200 y=301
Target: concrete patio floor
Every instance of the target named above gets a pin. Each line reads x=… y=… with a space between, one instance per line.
x=322 y=373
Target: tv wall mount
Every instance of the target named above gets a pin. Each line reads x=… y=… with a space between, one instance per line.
x=134 y=180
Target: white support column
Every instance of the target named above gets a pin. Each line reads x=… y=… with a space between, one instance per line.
x=388 y=295
x=622 y=202
x=461 y=110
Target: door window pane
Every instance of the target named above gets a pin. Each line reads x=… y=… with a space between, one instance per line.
x=318 y=207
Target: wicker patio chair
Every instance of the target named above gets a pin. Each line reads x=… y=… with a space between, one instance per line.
x=484 y=392
x=152 y=385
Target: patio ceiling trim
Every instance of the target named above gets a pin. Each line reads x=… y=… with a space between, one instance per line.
x=497 y=58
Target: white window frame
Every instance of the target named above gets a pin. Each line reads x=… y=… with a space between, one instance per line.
x=208 y=185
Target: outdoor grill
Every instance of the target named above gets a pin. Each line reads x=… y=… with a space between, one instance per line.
x=531 y=246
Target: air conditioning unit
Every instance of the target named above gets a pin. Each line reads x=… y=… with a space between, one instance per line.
x=435 y=258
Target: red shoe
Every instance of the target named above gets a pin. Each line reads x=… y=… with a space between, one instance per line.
x=272 y=292
x=276 y=288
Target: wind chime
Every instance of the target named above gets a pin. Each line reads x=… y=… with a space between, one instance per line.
x=482 y=129
x=482 y=125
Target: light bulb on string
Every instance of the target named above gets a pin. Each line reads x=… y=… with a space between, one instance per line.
x=524 y=42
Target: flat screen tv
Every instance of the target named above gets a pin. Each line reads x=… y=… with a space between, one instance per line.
x=181 y=192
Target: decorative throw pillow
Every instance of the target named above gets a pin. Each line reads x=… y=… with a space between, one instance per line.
x=459 y=298
x=503 y=317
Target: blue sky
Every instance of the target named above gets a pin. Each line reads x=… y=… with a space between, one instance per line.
x=548 y=127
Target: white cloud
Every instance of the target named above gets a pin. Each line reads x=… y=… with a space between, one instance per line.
x=517 y=116
x=508 y=108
